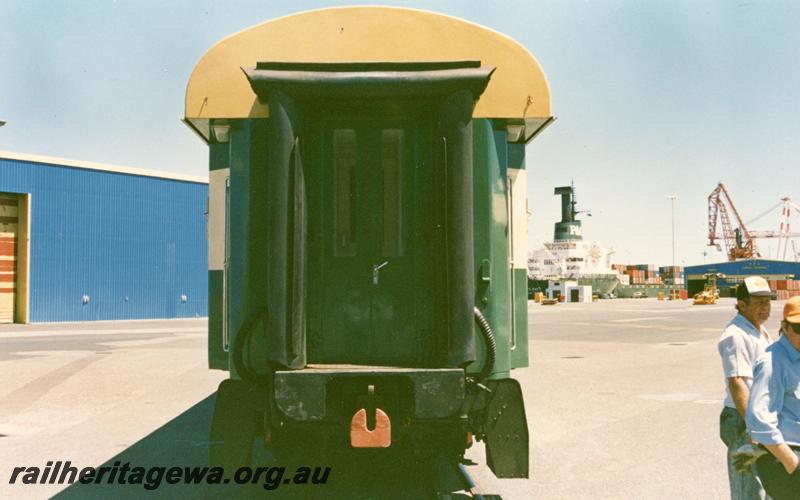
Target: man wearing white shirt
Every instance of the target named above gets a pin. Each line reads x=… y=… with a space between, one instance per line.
x=744 y=340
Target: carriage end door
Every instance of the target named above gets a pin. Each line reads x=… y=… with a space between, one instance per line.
x=370 y=293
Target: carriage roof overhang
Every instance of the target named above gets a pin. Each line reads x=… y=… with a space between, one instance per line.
x=368 y=80
x=517 y=96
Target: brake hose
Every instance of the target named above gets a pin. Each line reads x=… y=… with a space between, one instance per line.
x=491 y=345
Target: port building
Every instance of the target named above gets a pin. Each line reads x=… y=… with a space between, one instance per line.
x=82 y=241
x=783 y=276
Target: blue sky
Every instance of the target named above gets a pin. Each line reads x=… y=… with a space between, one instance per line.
x=652 y=99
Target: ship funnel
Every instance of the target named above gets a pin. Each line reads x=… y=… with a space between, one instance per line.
x=569 y=228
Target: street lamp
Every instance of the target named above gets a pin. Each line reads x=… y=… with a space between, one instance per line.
x=672 y=198
x=2 y=122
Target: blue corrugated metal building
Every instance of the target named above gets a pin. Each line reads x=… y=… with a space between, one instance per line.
x=735 y=272
x=94 y=242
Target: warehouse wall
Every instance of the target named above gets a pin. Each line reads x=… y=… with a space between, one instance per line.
x=777 y=272
x=132 y=244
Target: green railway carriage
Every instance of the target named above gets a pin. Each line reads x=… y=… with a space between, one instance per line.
x=367 y=241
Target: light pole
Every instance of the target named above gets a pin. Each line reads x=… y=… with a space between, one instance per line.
x=672 y=199
x=2 y=122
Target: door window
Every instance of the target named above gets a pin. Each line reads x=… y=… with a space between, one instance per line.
x=345 y=159
x=392 y=152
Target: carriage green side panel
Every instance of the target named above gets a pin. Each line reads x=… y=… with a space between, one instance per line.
x=492 y=291
x=481 y=202
x=248 y=249
x=217 y=357
x=239 y=232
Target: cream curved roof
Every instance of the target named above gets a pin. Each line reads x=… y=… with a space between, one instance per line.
x=218 y=88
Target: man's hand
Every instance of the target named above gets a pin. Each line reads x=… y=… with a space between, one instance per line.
x=795 y=467
x=745 y=456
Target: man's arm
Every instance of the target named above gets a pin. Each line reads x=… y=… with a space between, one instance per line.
x=737 y=367
x=785 y=456
x=766 y=400
x=740 y=393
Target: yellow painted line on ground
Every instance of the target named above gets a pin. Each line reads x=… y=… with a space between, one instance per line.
x=127 y=331
x=144 y=342
x=68 y=354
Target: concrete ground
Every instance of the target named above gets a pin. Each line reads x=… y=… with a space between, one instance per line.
x=622 y=398
x=623 y=401
x=87 y=392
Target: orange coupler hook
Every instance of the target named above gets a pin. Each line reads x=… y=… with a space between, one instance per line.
x=360 y=435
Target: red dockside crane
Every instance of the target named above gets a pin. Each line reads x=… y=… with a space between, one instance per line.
x=739 y=242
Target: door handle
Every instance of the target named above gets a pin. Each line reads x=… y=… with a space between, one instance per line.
x=376 y=270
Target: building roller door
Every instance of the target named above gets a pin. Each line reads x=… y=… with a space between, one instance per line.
x=8 y=260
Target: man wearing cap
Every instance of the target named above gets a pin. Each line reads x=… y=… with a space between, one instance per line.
x=773 y=413
x=744 y=340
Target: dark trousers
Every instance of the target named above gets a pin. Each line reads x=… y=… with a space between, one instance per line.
x=779 y=484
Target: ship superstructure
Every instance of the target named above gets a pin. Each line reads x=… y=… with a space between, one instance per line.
x=568 y=256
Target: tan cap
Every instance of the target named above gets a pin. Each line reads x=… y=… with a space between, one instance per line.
x=791 y=311
x=753 y=286
x=757 y=286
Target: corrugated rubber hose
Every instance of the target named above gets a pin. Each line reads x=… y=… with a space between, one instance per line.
x=491 y=344
x=239 y=346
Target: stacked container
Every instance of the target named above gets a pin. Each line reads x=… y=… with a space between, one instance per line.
x=672 y=275
x=785 y=289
